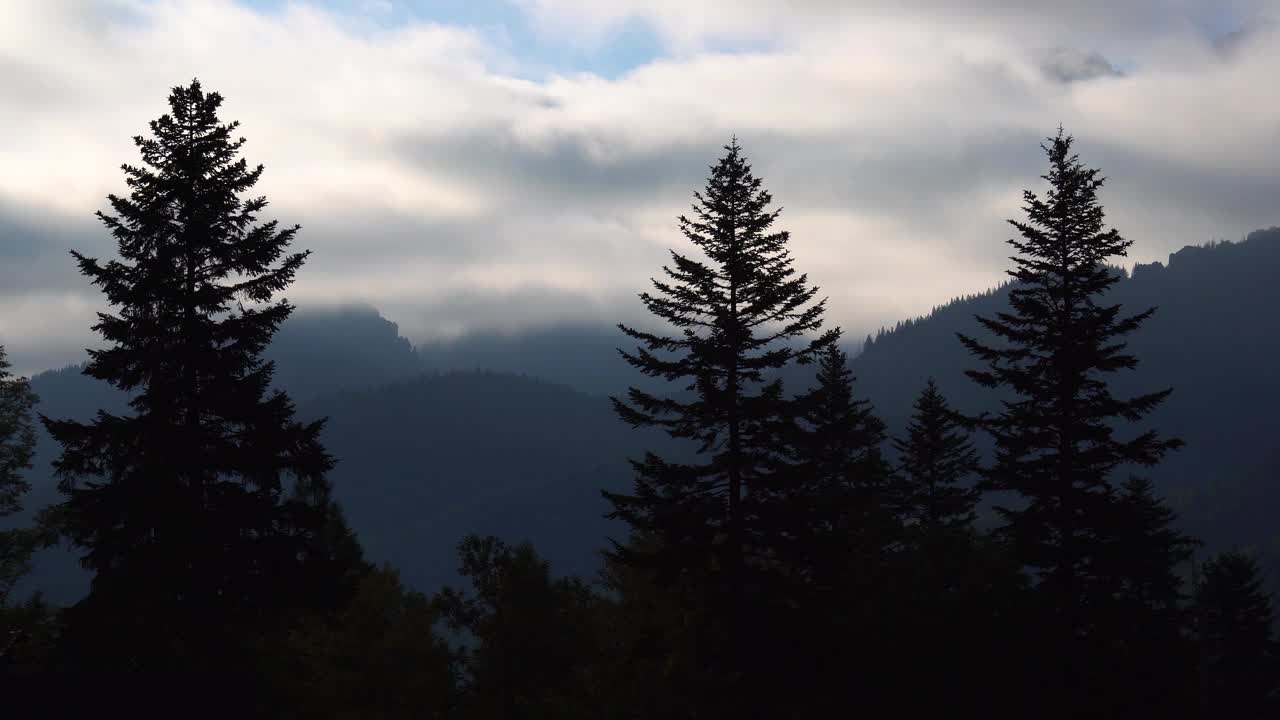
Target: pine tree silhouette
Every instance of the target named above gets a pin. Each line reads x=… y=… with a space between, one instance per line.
x=935 y=457
x=17 y=436
x=17 y=443
x=844 y=501
x=1142 y=610
x=1056 y=438
x=21 y=624
x=530 y=632
x=838 y=533
x=737 y=315
x=205 y=514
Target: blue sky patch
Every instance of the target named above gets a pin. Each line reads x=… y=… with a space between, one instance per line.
x=508 y=28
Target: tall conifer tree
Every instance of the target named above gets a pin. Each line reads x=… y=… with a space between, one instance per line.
x=205 y=513
x=1061 y=431
x=734 y=314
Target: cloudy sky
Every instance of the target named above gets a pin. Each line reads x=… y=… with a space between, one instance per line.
x=502 y=164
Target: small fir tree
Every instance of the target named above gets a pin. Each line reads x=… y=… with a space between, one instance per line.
x=935 y=458
x=845 y=500
x=839 y=534
x=1240 y=659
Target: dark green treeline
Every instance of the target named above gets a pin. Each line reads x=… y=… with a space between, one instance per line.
x=789 y=560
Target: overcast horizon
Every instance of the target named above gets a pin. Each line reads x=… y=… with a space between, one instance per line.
x=511 y=164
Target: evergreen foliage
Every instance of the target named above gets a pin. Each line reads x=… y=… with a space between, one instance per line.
x=1142 y=611
x=736 y=315
x=529 y=634
x=378 y=657
x=840 y=535
x=935 y=458
x=27 y=627
x=1058 y=438
x=843 y=499
x=953 y=587
x=204 y=514
x=648 y=637
x=1239 y=656
x=17 y=442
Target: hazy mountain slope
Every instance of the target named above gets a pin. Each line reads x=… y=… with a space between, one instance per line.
x=319 y=352
x=424 y=462
x=582 y=357
x=423 y=458
x=1214 y=339
x=316 y=352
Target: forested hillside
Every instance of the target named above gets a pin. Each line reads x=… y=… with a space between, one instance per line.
x=1213 y=338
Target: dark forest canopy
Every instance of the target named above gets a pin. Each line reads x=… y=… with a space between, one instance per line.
x=804 y=529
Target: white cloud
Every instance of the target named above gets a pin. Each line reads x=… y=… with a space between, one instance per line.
x=433 y=182
x=688 y=26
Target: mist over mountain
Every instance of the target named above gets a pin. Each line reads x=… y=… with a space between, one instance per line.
x=327 y=350
x=316 y=352
x=579 y=356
